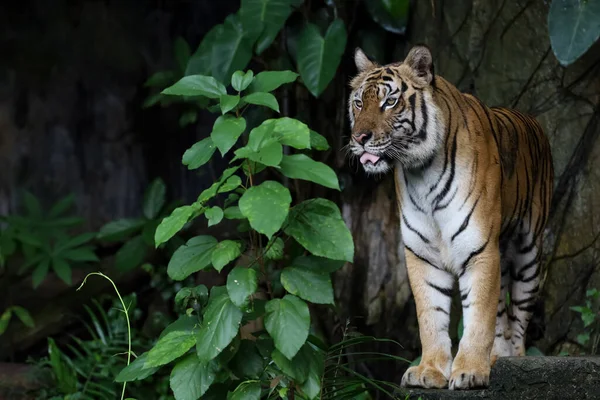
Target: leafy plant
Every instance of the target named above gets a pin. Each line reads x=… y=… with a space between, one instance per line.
x=44 y=240
x=138 y=233
x=589 y=316
x=21 y=313
x=574 y=26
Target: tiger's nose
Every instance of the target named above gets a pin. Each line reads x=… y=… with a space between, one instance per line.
x=363 y=137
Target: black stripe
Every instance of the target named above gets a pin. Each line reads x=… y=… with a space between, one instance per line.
x=440 y=309
x=423 y=238
x=466 y=221
x=475 y=253
x=420 y=257
x=445 y=291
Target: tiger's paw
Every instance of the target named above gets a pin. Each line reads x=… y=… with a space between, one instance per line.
x=425 y=377
x=469 y=378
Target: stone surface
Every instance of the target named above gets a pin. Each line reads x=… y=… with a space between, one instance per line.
x=529 y=378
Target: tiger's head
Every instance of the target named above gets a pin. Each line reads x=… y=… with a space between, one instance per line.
x=392 y=113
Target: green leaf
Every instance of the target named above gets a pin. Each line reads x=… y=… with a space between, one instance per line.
x=574 y=26
x=172 y=224
x=200 y=62
x=75 y=241
x=233 y=213
x=214 y=188
x=287 y=321
x=131 y=255
x=191 y=378
x=62 y=206
x=318 y=142
x=583 y=338
x=391 y=15
x=160 y=79
x=275 y=249
x=240 y=80
x=268 y=81
x=300 y=166
x=247 y=362
x=191 y=257
x=534 y=352
x=262 y=99
x=225 y=252
x=241 y=283
x=214 y=215
x=226 y=131
x=266 y=17
x=187 y=118
x=269 y=151
x=32 y=204
x=460 y=329
x=312 y=385
x=40 y=272
x=62 y=269
x=197 y=85
x=169 y=347
x=23 y=316
x=136 y=371
x=310 y=285
x=154 y=198
x=318 y=226
x=319 y=57
x=245 y=391
x=80 y=254
x=199 y=154
x=220 y=325
x=266 y=206
x=297 y=367
x=230 y=184
x=292 y=132
x=182 y=52
x=318 y=264
x=4 y=320
x=228 y=102
x=119 y=229
x=232 y=50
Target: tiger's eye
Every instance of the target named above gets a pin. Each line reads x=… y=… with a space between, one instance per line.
x=390 y=102
x=358 y=104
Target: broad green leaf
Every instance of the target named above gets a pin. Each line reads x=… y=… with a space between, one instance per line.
x=240 y=80
x=266 y=17
x=154 y=198
x=199 y=154
x=225 y=252
x=233 y=213
x=263 y=145
x=300 y=166
x=136 y=371
x=169 y=347
x=191 y=257
x=574 y=26
x=23 y=316
x=268 y=81
x=32 y=204
x=226 y=131
x=228 y=102
x=187 y=118
x=232 y=50
x=318 y=142
x=132 y=254
x=297 y=367
x=309 y=285
x=266 y=206
x=392 y=15
x=318 y=226
x=220 y=325
x=172 y=224
x=119 y=229
x=535 y=352
x=287 y=321
x=62 y=206
x=247 y=362
x=191 y=378
x=160 y=79
x=183 y=323
x=200 y=62
x=80 y=254
x=292 y=132
x=182 y=51
x=245 y=391
x=317 y=264
x=197 y=85
x=40 y=272
x=4 y=320
x=230 y=184
x=312 y=385
x=62 y=269
x=319 y=57
x=214 y=188
x=262 y=99
x=214 y=215
x=241 y=283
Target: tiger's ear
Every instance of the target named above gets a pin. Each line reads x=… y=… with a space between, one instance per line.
x=420 y=60
x=361 y=60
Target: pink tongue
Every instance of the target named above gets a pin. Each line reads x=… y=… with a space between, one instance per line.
x=368 y=157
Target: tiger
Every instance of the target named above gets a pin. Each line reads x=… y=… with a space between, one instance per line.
x=474 y=186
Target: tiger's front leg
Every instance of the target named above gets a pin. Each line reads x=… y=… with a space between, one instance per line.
x=479 y=283
x=432 y=289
